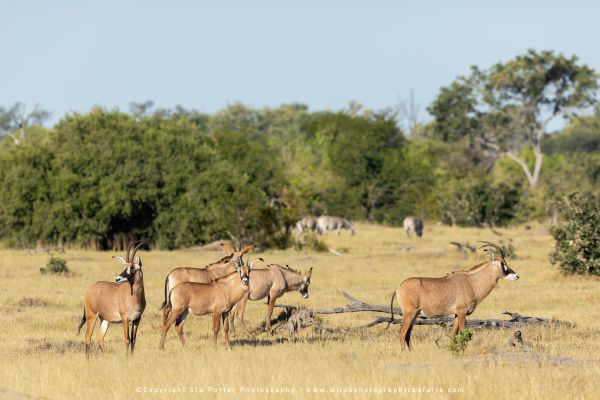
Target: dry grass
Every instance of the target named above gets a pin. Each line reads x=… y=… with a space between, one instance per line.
x=40 y=356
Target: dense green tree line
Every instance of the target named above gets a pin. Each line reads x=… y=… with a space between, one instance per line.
x=180 y=177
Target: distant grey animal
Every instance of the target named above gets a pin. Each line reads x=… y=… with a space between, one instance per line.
x=413 y=225
x=328 y=223
x=306 y=223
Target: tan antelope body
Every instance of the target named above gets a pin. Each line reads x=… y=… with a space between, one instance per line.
x=456 y=294
x=272 y=283
x=216 y=298
x=222 y=267
x=123 y=302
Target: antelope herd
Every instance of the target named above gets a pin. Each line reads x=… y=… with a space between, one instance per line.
x=223 y=288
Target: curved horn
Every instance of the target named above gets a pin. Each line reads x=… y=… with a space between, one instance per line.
x=137 y=246
x=493 y=245
x=234 y=241
x=129 y=246
x=120 y=259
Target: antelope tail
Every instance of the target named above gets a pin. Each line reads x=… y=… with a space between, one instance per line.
x=83 y=319
x=391 y=310
x=166 y=308
x=166 y=294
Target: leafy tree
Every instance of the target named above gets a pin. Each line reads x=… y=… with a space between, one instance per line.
x=476 y=200
x=508 y=108
x=455 y=111
x=577 y=237
x=582 y=135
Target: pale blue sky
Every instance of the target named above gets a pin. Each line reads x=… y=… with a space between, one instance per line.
x=71 y=55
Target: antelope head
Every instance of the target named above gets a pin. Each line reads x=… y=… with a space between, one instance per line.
x=303 y=289
x=498 y=261
x=238 y=256
x=244 y=271
x=131 y=263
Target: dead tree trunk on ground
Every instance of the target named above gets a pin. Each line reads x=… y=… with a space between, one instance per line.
x=355 y=305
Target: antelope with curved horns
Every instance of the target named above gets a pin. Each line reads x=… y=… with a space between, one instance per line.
x=271 y=282
x=458 y=293
x=224 y=266
x=122 y=301
x=216 y=298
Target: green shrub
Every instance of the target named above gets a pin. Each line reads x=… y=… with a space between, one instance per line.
x=458 y=343
x=55 y=265
x=577 y=248
x=478 y=200
x=311 y=241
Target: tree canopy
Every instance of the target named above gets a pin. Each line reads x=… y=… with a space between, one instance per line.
x=180 y=177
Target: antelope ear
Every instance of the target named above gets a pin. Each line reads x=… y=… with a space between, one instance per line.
x=246 y=249
x=120 y=259
x=138 y=261
x=310 y=271
x=491 y=253
x=250 y=265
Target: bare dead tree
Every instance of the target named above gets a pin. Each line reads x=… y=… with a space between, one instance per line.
x=15 y=119
x=408 y=110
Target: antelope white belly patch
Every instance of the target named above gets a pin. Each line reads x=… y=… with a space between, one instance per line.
x=134 y=315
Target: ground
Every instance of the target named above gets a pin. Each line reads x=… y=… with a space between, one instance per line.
x=41 y=356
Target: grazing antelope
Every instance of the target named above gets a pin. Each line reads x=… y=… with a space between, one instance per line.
x=413 y=225
x=328 y=223
x=122 y=301
x=216 y=298
x=458 y=293
x=224 y=266
x=308 y=223
x=271 y=282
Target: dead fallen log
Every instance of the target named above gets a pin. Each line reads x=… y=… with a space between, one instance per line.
x=516 y=320
x=335 y=252
x=356 y=305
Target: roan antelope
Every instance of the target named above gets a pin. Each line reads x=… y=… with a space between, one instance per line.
x=224 y=266
x=458 y=293
x=216 y=298
x=271 y=282
x=122 y=301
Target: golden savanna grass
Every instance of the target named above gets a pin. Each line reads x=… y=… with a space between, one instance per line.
x=42 y=358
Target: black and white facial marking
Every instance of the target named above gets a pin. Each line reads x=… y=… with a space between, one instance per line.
x=129 y=270
x=244 y=272
x=239 y=262
x=508 y=272
x=303 y=289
